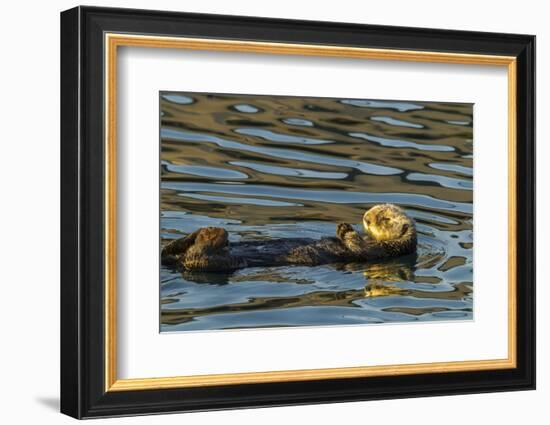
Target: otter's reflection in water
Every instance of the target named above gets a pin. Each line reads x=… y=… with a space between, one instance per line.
x=381 y=278
x=388 y=288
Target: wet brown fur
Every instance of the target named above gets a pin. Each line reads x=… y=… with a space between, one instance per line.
x=389 y=232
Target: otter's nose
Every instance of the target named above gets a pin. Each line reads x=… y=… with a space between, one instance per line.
x=366 y=222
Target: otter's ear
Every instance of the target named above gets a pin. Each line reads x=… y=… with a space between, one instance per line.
x=404 y=229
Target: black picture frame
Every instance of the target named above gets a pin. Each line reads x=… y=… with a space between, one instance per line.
x=83 y=392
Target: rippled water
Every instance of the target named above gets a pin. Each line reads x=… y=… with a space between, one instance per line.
x=268 y=167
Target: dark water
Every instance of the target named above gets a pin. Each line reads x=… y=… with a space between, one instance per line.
x=268 y=167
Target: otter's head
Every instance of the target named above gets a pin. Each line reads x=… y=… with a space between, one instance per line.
x=386 y=222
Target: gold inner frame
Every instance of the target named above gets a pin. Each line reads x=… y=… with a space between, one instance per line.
x=113 y=41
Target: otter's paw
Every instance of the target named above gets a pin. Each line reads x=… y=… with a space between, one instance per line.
x=342 y=229
x=212 y=237
x=178 y=246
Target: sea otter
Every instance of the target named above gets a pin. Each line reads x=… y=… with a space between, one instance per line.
x=389 y=232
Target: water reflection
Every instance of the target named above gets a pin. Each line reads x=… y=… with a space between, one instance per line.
x=399 y=123
x=268 y=167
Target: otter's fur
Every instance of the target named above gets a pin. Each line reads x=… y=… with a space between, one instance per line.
x=389 y=232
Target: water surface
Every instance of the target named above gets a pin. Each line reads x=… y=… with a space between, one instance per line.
x=268 y=167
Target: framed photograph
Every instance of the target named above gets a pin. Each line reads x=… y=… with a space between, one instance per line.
x=261 y=212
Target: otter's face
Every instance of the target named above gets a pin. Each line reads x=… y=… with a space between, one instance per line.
x=385 y=222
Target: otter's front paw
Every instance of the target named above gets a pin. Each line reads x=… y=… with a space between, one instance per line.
x=342 y=229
